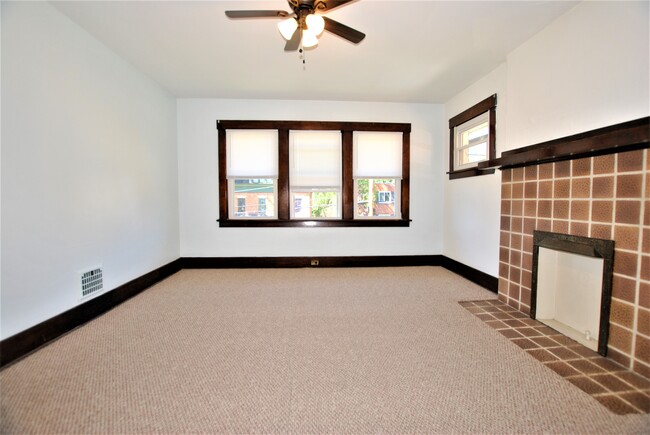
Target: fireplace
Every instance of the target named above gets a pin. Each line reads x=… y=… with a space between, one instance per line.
x=571 y=287
x=594 y=185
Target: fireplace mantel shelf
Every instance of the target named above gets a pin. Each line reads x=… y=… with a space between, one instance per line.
x=626 y=136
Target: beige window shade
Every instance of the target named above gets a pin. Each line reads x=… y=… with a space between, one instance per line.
x=252 y=153
x=377 y=154
x=315 y=158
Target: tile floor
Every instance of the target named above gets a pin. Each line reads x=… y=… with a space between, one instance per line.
x=614 y=386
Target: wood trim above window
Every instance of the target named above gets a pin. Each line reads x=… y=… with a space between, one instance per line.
x=487 y=105
x=347 y=191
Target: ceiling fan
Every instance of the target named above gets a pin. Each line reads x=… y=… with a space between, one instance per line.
x=304 y=25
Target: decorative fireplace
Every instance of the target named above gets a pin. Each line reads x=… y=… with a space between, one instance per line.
x=571 y=287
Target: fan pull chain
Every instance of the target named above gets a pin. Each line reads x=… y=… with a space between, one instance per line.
x=303 y=56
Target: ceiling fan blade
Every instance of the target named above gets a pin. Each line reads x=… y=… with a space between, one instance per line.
x=328 y=5
x=293 y=43
x=343 y=31
x=256 y=14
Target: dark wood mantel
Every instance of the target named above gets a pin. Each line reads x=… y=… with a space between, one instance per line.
x=626 y=136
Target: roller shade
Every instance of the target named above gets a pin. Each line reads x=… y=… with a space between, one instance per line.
x=252 y=153
x=377 y=154
x=315 y=158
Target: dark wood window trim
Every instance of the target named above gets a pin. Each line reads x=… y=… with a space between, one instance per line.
x=487 y=105
x=347 y=194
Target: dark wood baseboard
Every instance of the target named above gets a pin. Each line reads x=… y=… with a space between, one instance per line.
x=21 y=344
x=25 y=342
x=483 y=279
x=288 y=262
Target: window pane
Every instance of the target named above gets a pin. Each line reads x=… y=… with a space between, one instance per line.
x=375 y=197
x=254 y=198
x=252 y=153
x=315 y=158
x=377 y=154
x=473 y=154
x=316 y=205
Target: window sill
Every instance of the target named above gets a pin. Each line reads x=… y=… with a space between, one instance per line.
x=263 y=223
x=469 y=172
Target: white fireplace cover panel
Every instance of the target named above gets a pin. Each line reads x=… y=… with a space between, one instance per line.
x=569 y=291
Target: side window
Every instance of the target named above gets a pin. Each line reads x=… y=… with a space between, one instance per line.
x=472 y=139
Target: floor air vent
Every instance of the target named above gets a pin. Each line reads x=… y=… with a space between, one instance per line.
x=91 y=282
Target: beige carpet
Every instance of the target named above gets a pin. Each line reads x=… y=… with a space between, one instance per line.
x=296 y=350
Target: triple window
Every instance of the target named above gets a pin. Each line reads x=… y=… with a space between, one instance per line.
x=292 y=173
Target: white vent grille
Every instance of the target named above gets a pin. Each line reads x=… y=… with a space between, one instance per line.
x=91 y=282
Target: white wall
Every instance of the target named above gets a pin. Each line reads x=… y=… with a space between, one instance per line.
x=89 y=167
x=588 y=69
x=198 y=183
x=472 y=206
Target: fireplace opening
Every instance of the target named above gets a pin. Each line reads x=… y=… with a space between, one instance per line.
x=572 y=286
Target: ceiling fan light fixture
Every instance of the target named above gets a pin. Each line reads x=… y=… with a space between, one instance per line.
x=315 y=23
x=287 y=27
x=309 y=39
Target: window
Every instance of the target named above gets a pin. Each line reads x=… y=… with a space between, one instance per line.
x=295 y=173
x=472 y=139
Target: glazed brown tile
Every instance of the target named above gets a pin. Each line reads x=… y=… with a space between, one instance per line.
x=529 y=226
x=643 y=321
x=635 y=380
x=503 y=269
x=527 y=261
x=580 y=210
x=504 y=253
x=564 y=353
x=530 y=173
x=544 y=341
x=645 y=267
x=518 y=174
x=607 y=364
x=530 y=208
x=515 y=241
x=624 y=288
x=603 y=187
x=505 y=223
x=513 y=292
x=620 y=357
x=642 y=349
x=505 y=207
x=545 y=330
x=545 y=209
x=561 y=188
x=582 y=351
x=629 y=186
x=545 y=171
x=602 y=211
x=517 y=190
x=580 y=188
x=544 y=225
x=581 y=167
x=516 y=224
x=586 y=384
x=604 y=164
x=506 y=191
x=611 y=382
x=646 y=205
x=541 y=355
x=503 y=286
x=626 y=237
x=579 y=229
x=545 y=189
x=616 y=404
x=506 y=175
x=529 y=332
x=504 y=238
x=524 y=343
x=644 y=294
x=517 y=207
x=496 y=324
x=600 y=231
x=562 y=368
x=630 y=161
x=562 y=169
x=484 y=316
x=641 y=368
x=560 y=209
x=527 y=244
x=645 y=245
x=585 y=366
x=515 y=261
x=625 y=263
x=561 y=227
x=514 y=323
x=639 y=400
x=530 y=189
x=628 y=212
x=510 y=333
x=565 y=341
x=622 y=313
x=620 y=338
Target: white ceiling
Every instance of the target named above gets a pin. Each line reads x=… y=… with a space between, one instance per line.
x=414 y=51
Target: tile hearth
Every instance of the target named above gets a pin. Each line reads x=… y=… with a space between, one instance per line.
x=614 y=386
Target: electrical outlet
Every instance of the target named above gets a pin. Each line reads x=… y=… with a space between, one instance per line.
x=314 y=262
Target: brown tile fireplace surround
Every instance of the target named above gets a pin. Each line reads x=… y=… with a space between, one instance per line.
x=596 y=184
